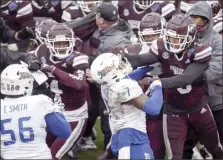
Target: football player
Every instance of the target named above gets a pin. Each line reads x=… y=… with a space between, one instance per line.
x=126 y=104
x=50 y=8
x=217 y=16
x=25 y=118
x=17 y=14
x=183 y=66
x=82 y=8
x=150 y=29
x=66 y=71
x=133 y=11
x=201 y=13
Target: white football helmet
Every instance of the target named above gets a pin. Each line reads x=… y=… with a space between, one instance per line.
x=86 y=5
x=16 y=80
x=109 y=68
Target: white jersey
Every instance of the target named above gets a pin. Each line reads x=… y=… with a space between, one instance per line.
x=124 y=115
x=23 y=127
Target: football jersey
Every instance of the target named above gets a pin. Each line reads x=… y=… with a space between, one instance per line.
x=23 y=127
x=129 y=13
x=21 y=17
x=124 y=115
x=218 y=22
x=72 y=13
x=188 y=97
x=68 y=81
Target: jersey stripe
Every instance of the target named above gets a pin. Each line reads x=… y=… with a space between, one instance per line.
x=203 y=54
x=66 y=16
x=26 y=10
x=80 y=60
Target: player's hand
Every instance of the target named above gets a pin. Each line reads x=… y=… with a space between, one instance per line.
x=48 y=68
x=117 y=50
x=88 y=75
x=59 y=104
x=33 y=66
x=25 y=33
x=155 y=83
x=145 y=82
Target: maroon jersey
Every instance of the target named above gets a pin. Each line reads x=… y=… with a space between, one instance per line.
x=72 y=13
x=128 y=11
x=39 y=10
x=19 y=15
x=68 y=79
x=189 y=97
x=48 y=10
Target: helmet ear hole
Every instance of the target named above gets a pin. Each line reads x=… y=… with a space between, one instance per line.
x=114 y=77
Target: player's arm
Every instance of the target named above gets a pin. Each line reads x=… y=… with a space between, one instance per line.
x=26 y=15
x=77 y=80
x=153 y=104
x=139 y=73
x=149 y=104
x=168 y=10
x=55 y=120
x=58 y=125
x=144 y=59
x=6 y=33
x=191 y=73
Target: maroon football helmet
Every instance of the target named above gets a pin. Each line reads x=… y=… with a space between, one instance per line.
x=150 y=27
x=179 y=33
x=60 y=41
x=42 y=29
x=143 y=4
x=215 y=6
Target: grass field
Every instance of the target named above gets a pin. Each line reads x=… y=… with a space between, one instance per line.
x=98 y=142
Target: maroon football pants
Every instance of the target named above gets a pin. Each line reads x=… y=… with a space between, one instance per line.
x=59 y=147
x=175 y=132
x=155 y=134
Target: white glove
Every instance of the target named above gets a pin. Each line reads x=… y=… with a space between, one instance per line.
x=152 y=86
x=58 y=104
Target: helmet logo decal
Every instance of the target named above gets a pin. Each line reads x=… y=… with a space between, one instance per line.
x=166 y=55
x=105 y=71
x=10 y=87
x=25 y=75
x=126 y=12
